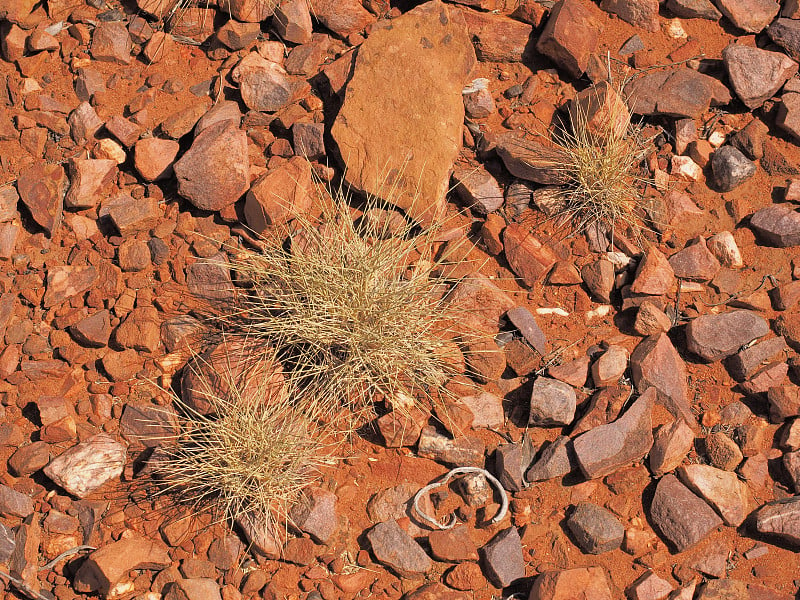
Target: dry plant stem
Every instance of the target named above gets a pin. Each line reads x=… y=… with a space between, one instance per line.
x=461 y=471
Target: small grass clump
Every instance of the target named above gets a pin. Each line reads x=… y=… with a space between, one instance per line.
x=251 y=455
x=601 y=157
x=354 y=305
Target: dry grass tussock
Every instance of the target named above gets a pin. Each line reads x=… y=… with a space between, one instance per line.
x=251 y=455
x=355 y=306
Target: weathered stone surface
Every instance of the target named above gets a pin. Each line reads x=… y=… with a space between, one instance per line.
x=556 y=459
x=552 y=403
x=14 y=503
x=453 y=545
x=94 y=331
x=65 y=282
x=561 y=585
x=393 y=547
x=528 y=159
x=694 y=9
x=778 y=225
x=41 y=189
x=375 y=141
x=670 y=446
x=153 y=157
x=713 y=337
x=523 y=320
x=610 y=366
x=262 y=536
x=786 y=33
x=723 y=246
x=695 y=262
x=750 y=15
x=724 y=589
x=529 y=258
x=87 y=466
x=315 y=514
x=141 y=330
x=130 y=215
x=486 y=409
x=780 y=518
x=194 y=588
x=654 y=274
x=477 y=189
x=106 y=567
x=463 y=451
x=279 y=195
x=595 y=529
x=639 y=13
x=656 y=363
x=784 y=402
x=111 y=43
x=90 y=179
x=649 y=587
x=511 y=461
x=598 y=276
x=605 y=449
x=148 y=425
x=264 y=85
x=215 y=171
x=570 y=35
x=721 y=489
x=745 y=363
x=731 y=168
x=292 y=21
x=756 y=74
x=722 y=451
x=341 y=17
x=651 y=320
x=682 y=92
x=498 y=38
x=502 y=558
x=682 y=517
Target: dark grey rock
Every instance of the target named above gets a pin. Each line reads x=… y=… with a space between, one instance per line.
x=511 y=462
x=714 y=337
x=595 y=529
x=397 y=550
x=556 y=460
x=503 y=562
x=731 y=168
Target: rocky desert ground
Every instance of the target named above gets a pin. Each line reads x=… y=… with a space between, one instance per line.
x=636 y=394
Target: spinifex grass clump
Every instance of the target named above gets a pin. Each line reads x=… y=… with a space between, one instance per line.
x=353 y=305
x=251 y=455
x=602 y=154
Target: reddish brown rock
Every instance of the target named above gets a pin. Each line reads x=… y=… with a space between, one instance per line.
x=41 y=189
x=249 y=11
x=342 y=17
x=376 y=141
x=453 y=545
x=477 y=189
x=130 y=215
x=561 y=585
x=111 y=42
x=528 y=257
x=570 y=35
x=722 y=451
x=179 y=123
x=714 y=337
x=236 y=35
x=656 y=363
x=127 y=132
x=497 y=38
x=552 y=403
x=141 y=330
x=780 y=518
x=214 y=172
x=682 y=517
x=595 y=529
x=153 y=158
x=639 y=13
x=502 y=558
x=397 y=550
x=750 y=15
x=651 y=320
x=279 y=195
x=721 y=489
x=671 y=444
x=90 y=181
x=106 y=567
x=654 y=275
x=695 y=262
x=84 y=123
x=292 y=22
x=744 y=364
x=315 y=514
x=605 y=449
x=264 y=85
x=94 y=331
x=778 y=225
x=65 y=282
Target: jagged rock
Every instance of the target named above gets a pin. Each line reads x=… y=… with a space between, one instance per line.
x=639 y=13
x=778 y=225
x=721 y=489
x=780 y=518
x=502 y=558
x=556 y=459
x=670 y=446
x=511 y=461
x=570 y=35
x=552 y=403
x=106 y=567
x=682 y=517
x=87 y=466
x=397 y=550
x=750 y=15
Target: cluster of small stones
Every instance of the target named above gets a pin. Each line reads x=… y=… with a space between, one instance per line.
x=656 y=457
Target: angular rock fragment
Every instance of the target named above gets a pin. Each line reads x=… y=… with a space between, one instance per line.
x=87 y=466
x=731 y=168
x=756 y=74
x=315 y=514
x=656 y=363
x=528 y=257
x=552 y=403
x=478 y=190
x=780 y=518
x=695 y=262
x=393 y=547
x=595 y=529
x=745 y=363
x=511 y=461
x=714 y=337
x=670 y=446
x=721 y=489
x=106 y=567
x=605 y=449
x=89 y=180
x=279 y=195
x=750 y=15
x=463 y=451
x=682 y=517
x=786 y=33
x=556 y=459
x=453 y=545
x=502 y=558
x=639 y=13
x=694 y=9
x=41 y=189
x=560 y=585
x=498 y=38
x=778 y=225
x=654 y=274
x=570 y=35
x=65 y=282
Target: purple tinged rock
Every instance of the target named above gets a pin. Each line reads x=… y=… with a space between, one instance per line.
x=655 y=363
x=694 y=9
x=682 y=517
x=14 y=503
x=478 y=190
x=523 y=320
x=393 y=547
x=777 y=225
x=713 y=337
x=786 y=33
x=556 y=459
x=552 y=403
x=695 y=262
x=315 y=514
x=606 y=448
x=745 y=363
x=780 y=518
x=595 y=529
x=750 y=15
x=639 y=13
x=511 y=461
x=756 y=74
x=503 y=562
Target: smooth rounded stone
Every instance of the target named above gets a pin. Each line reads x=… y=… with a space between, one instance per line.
x=394 y=548
x=611 y=365
x=695 y=262
x=780 y=518
x=453 y=545
x=682 y=517
x=670 y=446
x=88 y=465
x=477 y=189
x=756 y=74
x=424 y=81
x=714 y=337
x=502 y=558
x=104 y=568
x=561 y=585
x=777 y=225
x=722 y=451
x=595 y=529
x=731 y=168
x=649 y=587
x=555 y=460
x=606 y=448
x=552 y=403
x=721 y=489
x=599 y=278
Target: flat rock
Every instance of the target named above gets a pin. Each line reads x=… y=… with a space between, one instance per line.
x=41 y=189
x=393 y=547
x=777 y=225
x=342 y=17
x=649 y=587
x=453 y=545
x=511 y=461
x=694 y=9
x=639 y=13
x=265 y=86
x=248 y=11
x=153 y=157
x=497 y=37
x=463 y=451
x=130 y=215
x=780 y=518
x=606 y=448
x=724 y=589
x=651 y=320
x=610 y=366
x=530 y=160
x=215 y=172
x=745 y=363
x=722 y=451
x=570 y=36
x=14 y=503
x=695 y=262
x=750 y=15
x=552 y=403
x=477 y=189
x=756 y=74
x=721 y=489
x=731 y=168
x=723 y=246
x=561 y=585
x=784 y=402
x=194 y=588
x=557 y=459
x=502 y=558
x=87 y=466
x=105 y=568
x=64 y=282
x=682 y=92
x=656 y=363
x=595 y=529
x=111 y=43
x=682 y=517
x=714 y=337
x=598 y=276
x=315 y=514
x=424 y=78
x=654 y=274
x=786 y=33
x=528 y=257
x=93 y=331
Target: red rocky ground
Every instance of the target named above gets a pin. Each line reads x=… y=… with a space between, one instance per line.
x=664 y=447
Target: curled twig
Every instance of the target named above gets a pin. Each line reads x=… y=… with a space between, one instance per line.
x=461 y=471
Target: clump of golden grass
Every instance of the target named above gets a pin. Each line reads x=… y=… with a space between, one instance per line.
x=603 y=152
x=253 y=454
x=354 y=306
